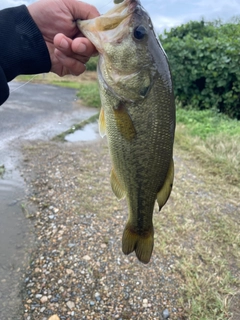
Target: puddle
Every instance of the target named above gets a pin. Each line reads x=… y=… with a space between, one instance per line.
x=87 y=133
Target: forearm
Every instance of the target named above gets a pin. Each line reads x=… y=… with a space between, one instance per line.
x=4 y=89
x=24 y=50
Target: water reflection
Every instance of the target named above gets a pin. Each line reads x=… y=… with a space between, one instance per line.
x=88 y=133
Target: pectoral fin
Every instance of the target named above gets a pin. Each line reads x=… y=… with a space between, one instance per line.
x=165 y=191
x=117 y=188
x=102 y=123
x=124 y=122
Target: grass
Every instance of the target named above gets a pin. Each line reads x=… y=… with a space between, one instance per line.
x=49 y=79
x=205 y=123
x=214 y=139
x=89 y=93
x=2 y=170
x=205 y=235
x=200 y=227
x=67 y=81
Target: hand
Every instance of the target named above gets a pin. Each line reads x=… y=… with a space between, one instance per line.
x=69 y=50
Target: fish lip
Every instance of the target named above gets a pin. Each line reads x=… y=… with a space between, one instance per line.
x=133 y=3
x=120 y=12
x=117 y=18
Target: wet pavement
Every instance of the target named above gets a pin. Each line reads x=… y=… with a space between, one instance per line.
x=33 y=111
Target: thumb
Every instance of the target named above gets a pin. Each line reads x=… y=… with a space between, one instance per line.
x=81 y=10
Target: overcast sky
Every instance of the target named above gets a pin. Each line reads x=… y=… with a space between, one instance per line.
x=168 y=13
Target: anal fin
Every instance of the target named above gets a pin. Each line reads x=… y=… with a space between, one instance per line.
x=166 y=189
x=117 y=188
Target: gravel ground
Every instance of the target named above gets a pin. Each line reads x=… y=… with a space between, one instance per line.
x=78 y=270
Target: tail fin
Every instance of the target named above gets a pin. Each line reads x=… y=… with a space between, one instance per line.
x=142 y=244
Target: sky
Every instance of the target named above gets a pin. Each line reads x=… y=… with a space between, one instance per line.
x=168 y=13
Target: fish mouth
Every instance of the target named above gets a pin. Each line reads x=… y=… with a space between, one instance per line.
x=120 y=14
x=116 y=15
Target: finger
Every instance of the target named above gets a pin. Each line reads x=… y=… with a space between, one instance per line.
x=81 y=58
x=78 y=48
x=82 y=10
x=82 y=46
x=63 y=43
x=75 y=67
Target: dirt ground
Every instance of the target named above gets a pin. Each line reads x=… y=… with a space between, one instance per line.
x=78 y=270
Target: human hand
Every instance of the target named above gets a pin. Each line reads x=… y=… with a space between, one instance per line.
x=69 y=50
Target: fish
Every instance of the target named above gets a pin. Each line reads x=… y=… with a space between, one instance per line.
x=137 y=116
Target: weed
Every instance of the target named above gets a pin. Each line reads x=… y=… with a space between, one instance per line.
x=89 y=93
x=206 y=123
x=2 y=170
x=214 y=139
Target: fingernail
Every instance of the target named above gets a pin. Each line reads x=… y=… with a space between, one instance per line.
x=64 y=44
x=82 y=48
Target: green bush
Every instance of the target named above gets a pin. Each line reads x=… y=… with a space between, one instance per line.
x=91 y=65
x=89 y=93
x=204 y=58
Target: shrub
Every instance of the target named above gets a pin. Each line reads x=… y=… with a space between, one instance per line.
x=91 y=65
x=204 y=58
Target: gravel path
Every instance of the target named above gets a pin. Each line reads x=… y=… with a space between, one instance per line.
x=78 y=270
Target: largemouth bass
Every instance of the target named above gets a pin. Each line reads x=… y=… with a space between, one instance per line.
x=137 y=115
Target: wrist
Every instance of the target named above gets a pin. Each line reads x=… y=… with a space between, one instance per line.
x=30 y=54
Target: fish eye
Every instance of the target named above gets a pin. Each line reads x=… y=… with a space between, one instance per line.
x=139 y=32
